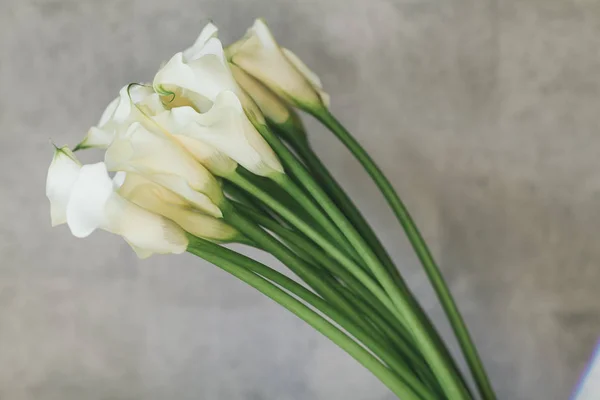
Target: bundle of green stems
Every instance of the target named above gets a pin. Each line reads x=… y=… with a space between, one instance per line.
x=351 y=290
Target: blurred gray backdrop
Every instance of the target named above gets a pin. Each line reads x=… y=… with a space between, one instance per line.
x=485 y=114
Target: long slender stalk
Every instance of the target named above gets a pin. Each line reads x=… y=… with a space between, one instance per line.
x=374 y=309
x=450 y=380
x=433 y=272
x=341 y=257
x=344 y=202
x=318 y=281
x=405 y=386
x=323 y=242
x=298 y=203
x=307 y=250
x=302 y=147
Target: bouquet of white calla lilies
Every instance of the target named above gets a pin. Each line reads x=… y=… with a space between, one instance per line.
x=213 y=153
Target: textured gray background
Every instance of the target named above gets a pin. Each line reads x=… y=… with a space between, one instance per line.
x=484 y=113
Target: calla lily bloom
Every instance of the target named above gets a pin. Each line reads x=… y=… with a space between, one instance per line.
x=159 y=200
x=84 y=197
x=225 y=128
x=159 y=158
x=278 y=68
x=135 y=103
x=274 y=109
x=196 y=76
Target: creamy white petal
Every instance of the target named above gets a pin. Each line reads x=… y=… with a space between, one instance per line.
x=159 y=200
x=89 y=194
x=214 y=160
x=161 y=159
x=210 y=31
x=259 y=55
x=226 y=128
x=119 y=179
x=94 y=204
x=136 y=102
x=196 y=77
x=272 y=107
x=62 y=174
x=308 y=74
x=109 y=112
x=146 y=232
x=200 y=80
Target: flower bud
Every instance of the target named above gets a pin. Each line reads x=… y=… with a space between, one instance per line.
x=159 y=158
x=276 y=111
x=278 y=68
x=159 y=200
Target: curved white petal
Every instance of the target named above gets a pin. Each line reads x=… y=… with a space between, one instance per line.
x=196 y=76
x=146 y=232
x=160 y=200
x=200 y=80
x=302 y=68
x=89 y=194
x=119 y=179
x=136 y=102
x=96 y=138
x=62 y=174
x=94 y=204
x=208 y=32
x=109 y=112
x=259 y=55
x=308 y=74
x=272 y=107
x=215 y=161
x=161 y=159
x=226 y=128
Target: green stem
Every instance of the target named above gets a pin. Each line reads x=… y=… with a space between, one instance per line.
x=442 y=368
x=345 y=203
x=302 y=206
x=401 y=382
x=302 y=147
x=323 y=242
x=318 y=281
x=421 y=249
x=381 y=316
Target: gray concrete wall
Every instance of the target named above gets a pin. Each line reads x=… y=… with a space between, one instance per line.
x=484 y=114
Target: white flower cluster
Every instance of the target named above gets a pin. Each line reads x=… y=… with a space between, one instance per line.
x=171 y=141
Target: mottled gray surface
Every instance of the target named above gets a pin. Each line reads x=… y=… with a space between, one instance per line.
x=484 y=113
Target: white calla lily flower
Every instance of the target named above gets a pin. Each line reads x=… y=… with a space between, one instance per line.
x=196 y=76
x=93 y=204
x=272 y=107
x=158 y=157
x=136 y=102
x=159 y=200
x=225 y=128
x=199 y=80
x=62 y=174
x=277 y=68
